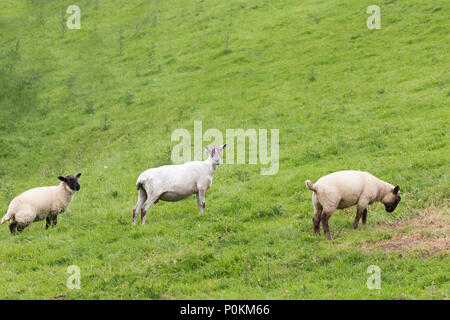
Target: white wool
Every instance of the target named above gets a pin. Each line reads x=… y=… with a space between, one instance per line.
x=176 y=182
x=344 y=189
x=36 y=204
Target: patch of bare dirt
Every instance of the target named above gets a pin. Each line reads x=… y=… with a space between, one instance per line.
x=428 y=233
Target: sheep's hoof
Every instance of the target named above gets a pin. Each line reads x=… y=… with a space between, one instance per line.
x=328 y=235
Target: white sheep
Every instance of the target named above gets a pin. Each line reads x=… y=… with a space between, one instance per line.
x=344 y=189
x=177 y=182
x=41 y=203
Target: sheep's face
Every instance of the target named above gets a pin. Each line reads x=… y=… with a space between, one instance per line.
x=71 y=181
x=215 y=153
x=392 y=199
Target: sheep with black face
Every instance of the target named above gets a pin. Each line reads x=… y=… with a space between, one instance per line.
x=41 y=203
x=343 y=189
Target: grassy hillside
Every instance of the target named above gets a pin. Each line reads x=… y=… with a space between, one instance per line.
x=104 y=100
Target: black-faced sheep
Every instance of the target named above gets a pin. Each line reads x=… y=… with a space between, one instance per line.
x=344 y=189
x=41 y=203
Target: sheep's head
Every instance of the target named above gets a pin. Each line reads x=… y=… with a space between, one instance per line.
x=391 y=199
x=215 y=153
x=71 y=181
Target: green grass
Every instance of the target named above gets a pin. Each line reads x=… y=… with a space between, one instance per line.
x=105 y=99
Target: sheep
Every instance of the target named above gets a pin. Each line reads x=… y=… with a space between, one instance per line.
x=41 y=203
x=343 y=189
x=177 y=182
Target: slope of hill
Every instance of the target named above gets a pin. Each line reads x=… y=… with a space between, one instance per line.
x=103 y=100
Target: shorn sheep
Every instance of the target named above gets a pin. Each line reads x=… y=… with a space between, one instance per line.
x=344 y=189
x=177 y=182
x=41 y=203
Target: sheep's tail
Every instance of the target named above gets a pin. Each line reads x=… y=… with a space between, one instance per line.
x=7 y=217
x=140 y=185
x=310 y=186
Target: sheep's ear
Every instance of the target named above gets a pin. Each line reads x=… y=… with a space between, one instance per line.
x=78 y=175
x=396 y=189
x=62 y=178
x=224 y=146
x=208 y=149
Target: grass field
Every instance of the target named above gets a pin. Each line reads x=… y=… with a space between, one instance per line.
x=104 y=100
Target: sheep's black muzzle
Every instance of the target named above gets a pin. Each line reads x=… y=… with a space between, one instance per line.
x=391 y=206
x=71 y=181
x=74 y=186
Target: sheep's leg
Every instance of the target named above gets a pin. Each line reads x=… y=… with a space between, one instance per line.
x=54 y=220
x=359 y=214
x=364 y=216
x=142 y=197
x=316 y=220
x=146 y=207
x=324 y=218
x=317 y=214
x=47 y=223
x=201 y=201
x=12 y=227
